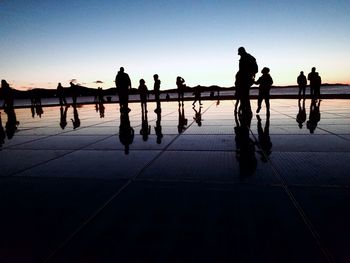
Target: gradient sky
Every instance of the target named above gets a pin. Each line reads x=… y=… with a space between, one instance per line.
x=46 y=42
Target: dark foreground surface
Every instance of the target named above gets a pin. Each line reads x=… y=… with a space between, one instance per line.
x=211 y=193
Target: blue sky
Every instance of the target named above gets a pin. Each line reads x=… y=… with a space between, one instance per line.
x=46 y=42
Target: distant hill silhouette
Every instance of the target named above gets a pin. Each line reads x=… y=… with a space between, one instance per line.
x=86 y=91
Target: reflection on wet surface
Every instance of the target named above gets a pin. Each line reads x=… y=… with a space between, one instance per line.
x=179 y=174
x=213 y=127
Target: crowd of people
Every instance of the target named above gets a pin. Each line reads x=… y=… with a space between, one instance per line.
x=244 y=79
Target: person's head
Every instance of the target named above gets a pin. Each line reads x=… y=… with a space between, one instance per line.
x=313 y=69
x=301 y=72
x=142 y=82
x=4 y=83
x=59 y=84
x=241 y=51
x=155 y=76
x=121 y=69
x=265 y=70
x=316 y=73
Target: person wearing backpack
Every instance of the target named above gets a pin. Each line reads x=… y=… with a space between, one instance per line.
x=245 y=79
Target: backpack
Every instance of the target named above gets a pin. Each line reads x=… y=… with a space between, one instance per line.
x=253 y=66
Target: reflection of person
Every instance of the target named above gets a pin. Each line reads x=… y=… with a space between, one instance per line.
x=301 y=116
x=245 y=78
x=61 y=95
x=12 y=123
x=180 y=83
x=264 y=138
x=156 y=90
x=63 y=119
x=126 y=132
x=181 y=127
x=145 y=128
x=314 y=116
x=101 y=108
x=76 y=120
x=123 y=84
x=2 y=134
x=302 y=84
x=158 y=127
x=198 y=116
x=143 y=90
x=265 y=82
x=245 y=146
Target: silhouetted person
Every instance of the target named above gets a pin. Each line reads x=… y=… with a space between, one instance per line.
x=197 y=95
x=7 y=94
x=2 y=134
x=181 y=127
x=313 y=82
x=158 y=127
x=265 y=82
x=156 y=90
x=100 y=95
x=126 y=132
x=245 y=79
x=302 y=82
x=198 y=115
x=245 y=146
x=301 y=116
x=314 y=116
x=61 y=95
x=74 y=92
x=145 y=128
x=180 y=83
x=264 y=138
x=63 y=119
x=123 y=84
x=143 y=90
x=317 y=89
x=76 y=120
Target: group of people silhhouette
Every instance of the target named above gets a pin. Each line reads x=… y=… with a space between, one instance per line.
x=244 y=79
x=315 y=84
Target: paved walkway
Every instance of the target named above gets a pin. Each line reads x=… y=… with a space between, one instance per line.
x=212 y=193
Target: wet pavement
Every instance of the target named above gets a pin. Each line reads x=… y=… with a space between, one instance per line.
x=183 y=185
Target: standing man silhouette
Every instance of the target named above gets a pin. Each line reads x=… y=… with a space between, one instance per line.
x=302 y=84
x=245 y=78
x=156 y=90
x=123 y=84
x=312 y=77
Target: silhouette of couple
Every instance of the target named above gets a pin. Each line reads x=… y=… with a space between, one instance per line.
x=315 y=84
x=245 y=78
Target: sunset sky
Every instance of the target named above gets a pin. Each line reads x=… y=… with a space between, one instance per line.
x=45 y=42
